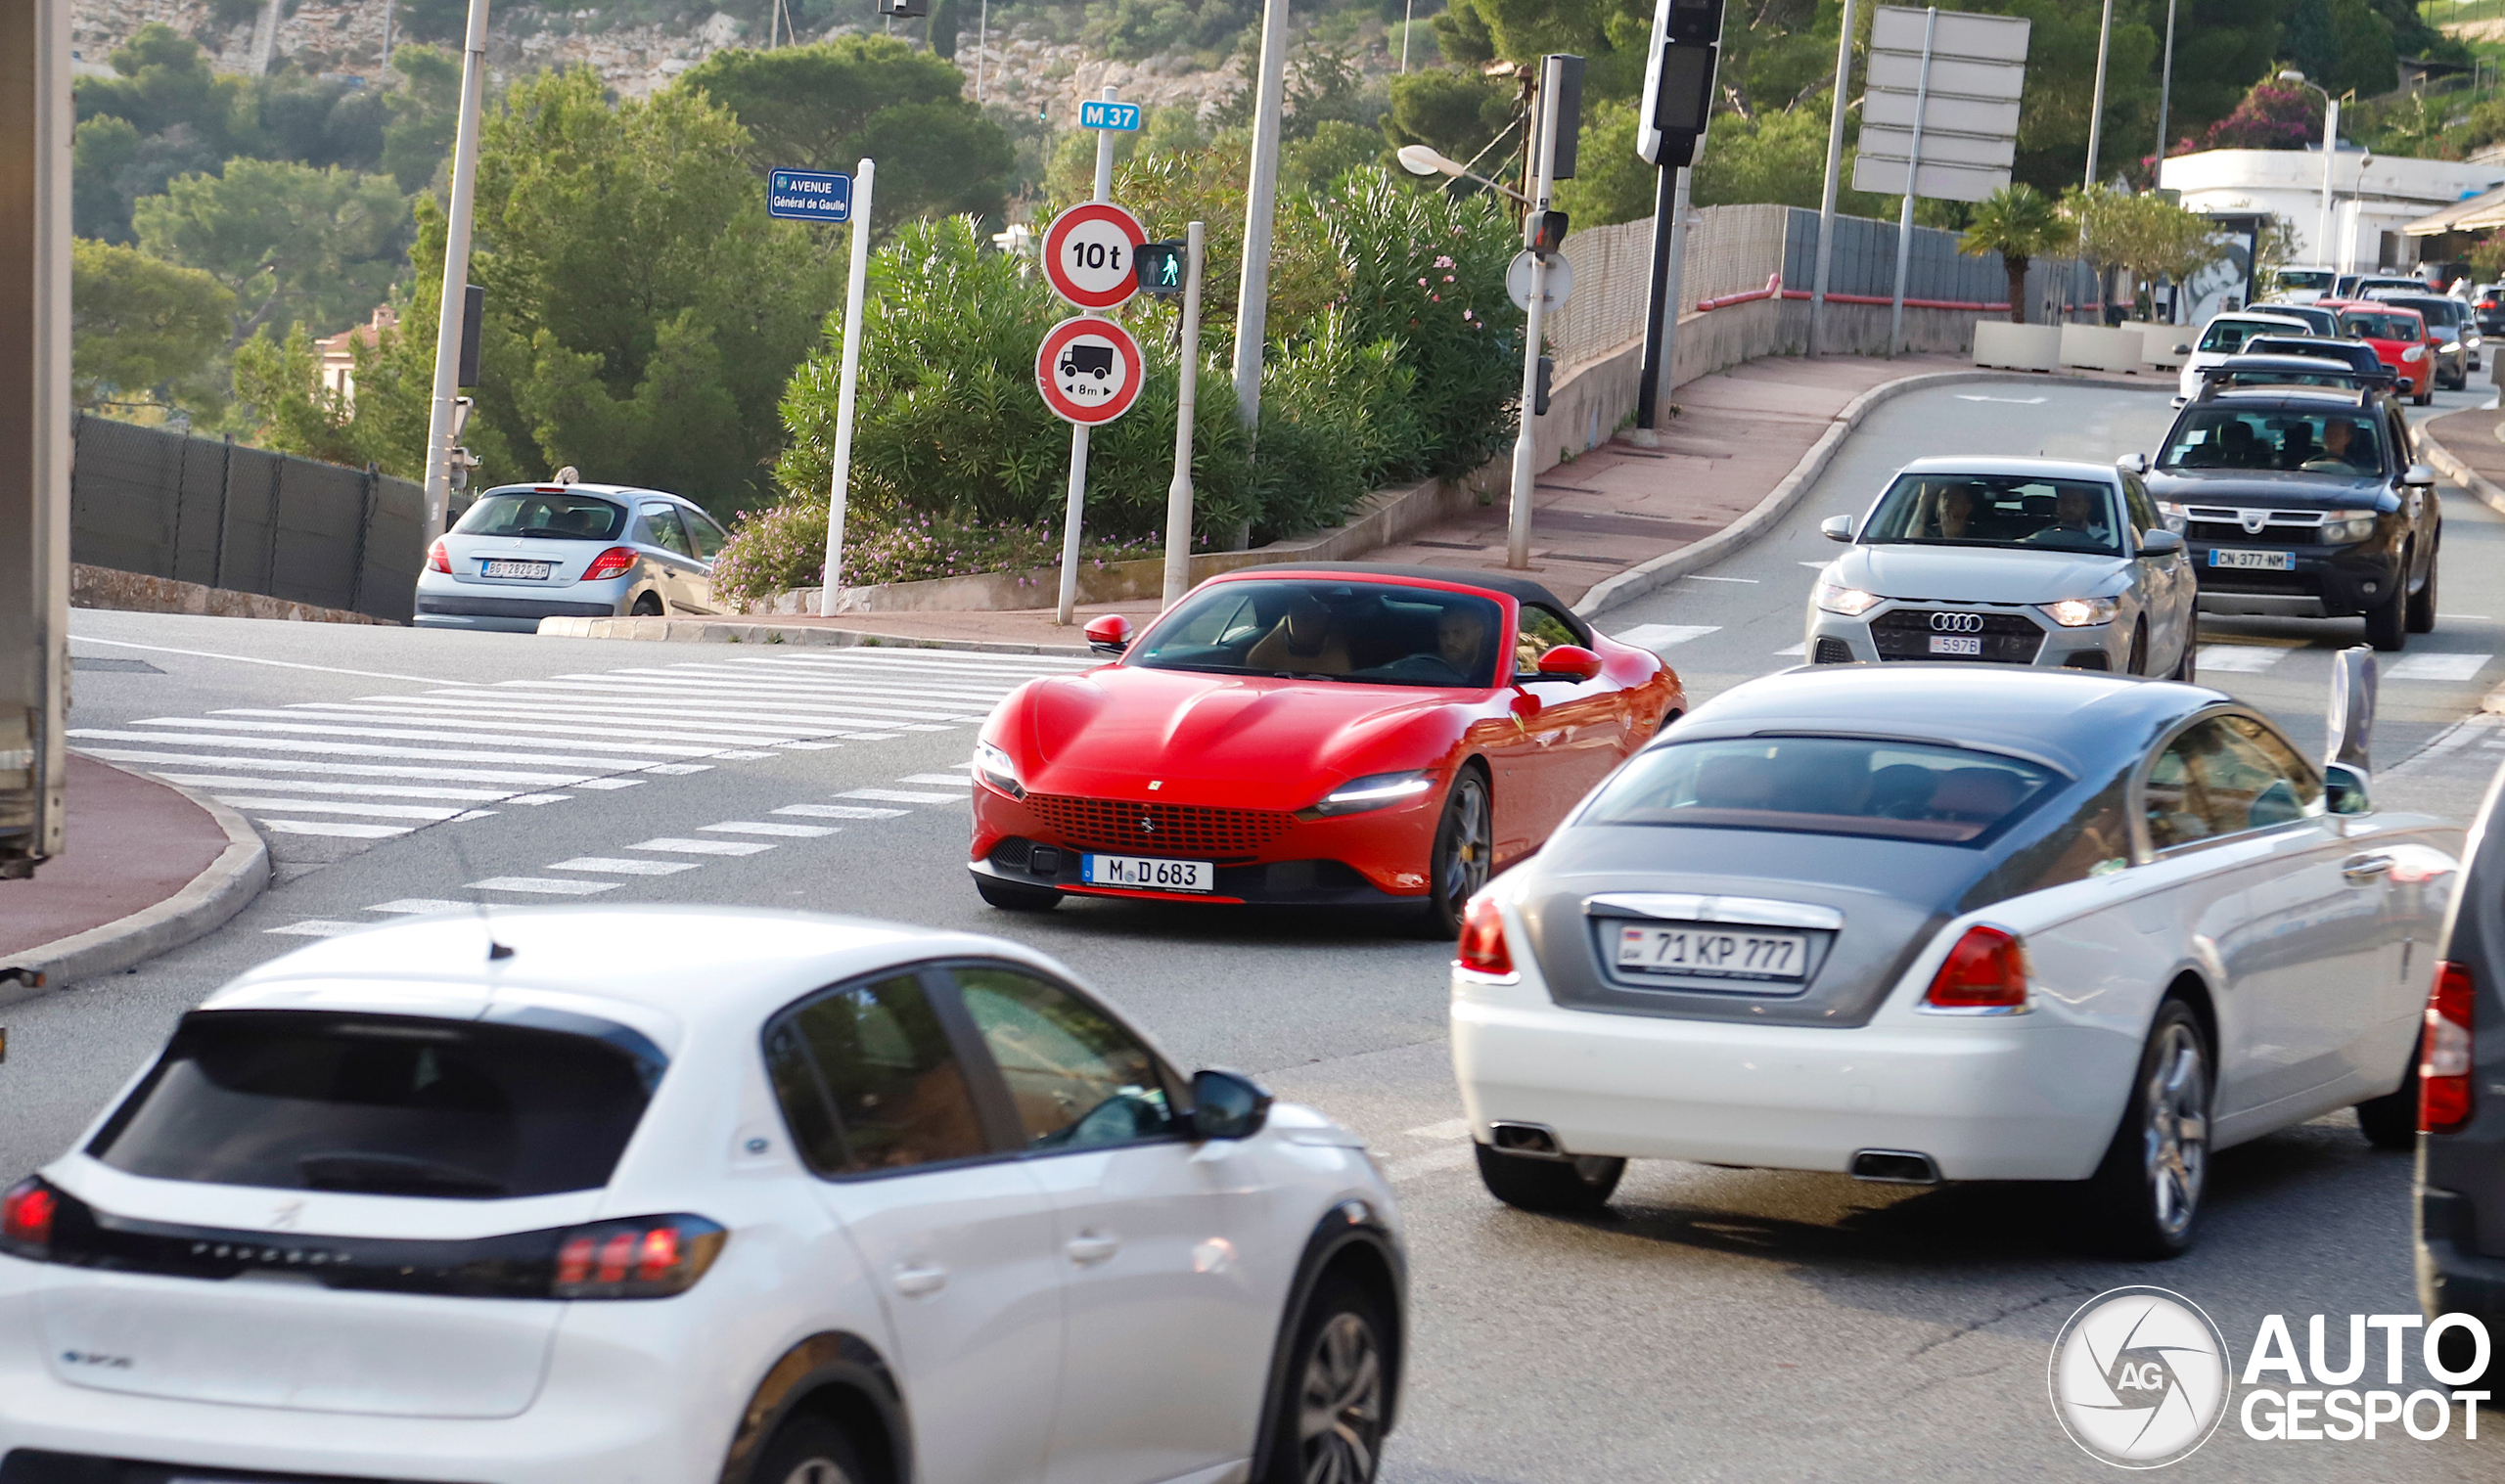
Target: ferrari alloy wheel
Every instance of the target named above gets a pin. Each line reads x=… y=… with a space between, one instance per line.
x=2149 y=1184
x=1464 y=846
x=1341 y=1388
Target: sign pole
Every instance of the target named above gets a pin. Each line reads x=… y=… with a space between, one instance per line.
x=839 y=484
x=1527 y=440
x=1178 y=494
x=456 y=275
x=1827 y=197
x=1067 y=611
x=1913 y=180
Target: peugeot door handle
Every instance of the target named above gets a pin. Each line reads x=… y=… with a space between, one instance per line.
x=2361 y=870
x=914 y=1282
x=1089 y=1248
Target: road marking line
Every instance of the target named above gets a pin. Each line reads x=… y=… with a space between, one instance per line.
x=704 y=847
x=326 y=710
x=332 y=806
x=615 y=867
x=358 y=791
x=808 y=747
x=760 y=827
x=2437 y=666
x=1793 y=653
x=689 y=689
x=1432 y=1162
x=678 y=770
x=284 y=664
x=2469 y=618
x=316 y=928
x=2238 y=658
x=953 y=780
x=339 y=829
x=881 y=736
x=696 y=723
x=740 y=757
x=425 y=733
x=357 y=749
x=1701 y=577
x=359 y=770
x=646 y=704
x=608 y=783
x=1450 y=1128
x=1657 y=636
x=543 y=885
x=902 y=796
x=842 y=812
x=1968 y=397
x=413 y=906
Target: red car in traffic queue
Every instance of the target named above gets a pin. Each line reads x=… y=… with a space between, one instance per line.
x=1340 y=733
x=2401 y=339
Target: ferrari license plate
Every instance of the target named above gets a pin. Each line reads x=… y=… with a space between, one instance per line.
x=512 y=568
x=1968 y=644
x=2263 y=561
x=1721 y=953
x=1147 y=872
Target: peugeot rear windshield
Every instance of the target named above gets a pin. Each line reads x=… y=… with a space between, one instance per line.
x=1824 y=785
x=380 y=1105
x=554 y=517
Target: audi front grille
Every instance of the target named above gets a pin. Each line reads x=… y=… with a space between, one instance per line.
x=2006 y=637
x=1176 y=830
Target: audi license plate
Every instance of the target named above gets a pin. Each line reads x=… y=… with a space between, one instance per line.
x=1147 y=872
x=492 y=568
x=2264 y=561
x=1721 y=953
x=1969 y=644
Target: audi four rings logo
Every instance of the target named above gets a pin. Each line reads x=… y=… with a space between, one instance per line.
x=1957 y=623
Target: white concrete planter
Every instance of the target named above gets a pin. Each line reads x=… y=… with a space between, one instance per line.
x=2158 y=343
x=2094 y=347
x=2018 y=347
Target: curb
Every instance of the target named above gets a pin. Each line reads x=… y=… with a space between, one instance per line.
x=204 y=905
x=714 y=631
x=2448 y=463
x=1637 y=581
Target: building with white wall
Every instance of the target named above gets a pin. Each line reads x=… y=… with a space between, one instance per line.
x=2373 y=196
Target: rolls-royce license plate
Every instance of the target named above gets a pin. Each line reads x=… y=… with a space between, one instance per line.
x=2263 y=561
x=1971 y=645
x=1148 y=873
x=1706 y=950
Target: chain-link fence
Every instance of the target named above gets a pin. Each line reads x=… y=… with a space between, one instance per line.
x=198 y=510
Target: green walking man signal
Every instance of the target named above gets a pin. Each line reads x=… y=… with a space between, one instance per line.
x=1161 y=267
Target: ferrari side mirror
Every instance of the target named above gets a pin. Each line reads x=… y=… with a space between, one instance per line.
x=1568 y=661
x=1109 y=635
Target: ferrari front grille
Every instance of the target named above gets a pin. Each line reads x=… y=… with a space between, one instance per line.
x=1178 y=830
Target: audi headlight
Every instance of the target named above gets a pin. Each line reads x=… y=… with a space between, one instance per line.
x=1374 y=790
x=2345 y=526
x=2414 y=353
x=1850 y=601
x=993 y=766
x=2079 y=613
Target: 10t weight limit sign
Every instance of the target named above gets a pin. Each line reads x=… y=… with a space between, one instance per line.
x=1091 y=254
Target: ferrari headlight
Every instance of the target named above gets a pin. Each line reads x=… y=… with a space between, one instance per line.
x=993 y=766
x=2079 y=613
x=1850 y=601
x=2340 y=526
x=1374 y=790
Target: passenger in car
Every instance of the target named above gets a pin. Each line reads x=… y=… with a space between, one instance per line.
x=1304 y=642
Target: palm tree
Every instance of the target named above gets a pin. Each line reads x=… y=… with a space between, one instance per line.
x=2021 y=224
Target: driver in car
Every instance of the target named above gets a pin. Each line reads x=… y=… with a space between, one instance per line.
x=1460 y=638
x=2076 y=517
x=2345 y=446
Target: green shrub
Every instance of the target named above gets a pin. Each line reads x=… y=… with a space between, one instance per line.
x=784 y=547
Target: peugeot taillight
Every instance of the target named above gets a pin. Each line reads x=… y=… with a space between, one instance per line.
x=1482 y=947
x=26 y=1219
x=643 y=1257
x=1985 y=971
x=438 y=559
x=610 y=564
x=2443 y=1066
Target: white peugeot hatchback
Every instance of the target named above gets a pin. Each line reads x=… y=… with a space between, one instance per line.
x=698 y=1195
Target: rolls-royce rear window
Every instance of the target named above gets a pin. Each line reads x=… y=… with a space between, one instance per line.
x=1824 y=785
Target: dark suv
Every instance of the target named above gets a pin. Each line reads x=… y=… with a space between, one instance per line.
x=2304 y=502
x=2461 y=1116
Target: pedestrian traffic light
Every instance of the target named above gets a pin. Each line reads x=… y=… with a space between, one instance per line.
x=904 y=10
x=1161 y=267
x=1678 y=80
x=1544 y=232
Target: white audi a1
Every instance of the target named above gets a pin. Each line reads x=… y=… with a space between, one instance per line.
x=1953 y=923
x=564 y=1197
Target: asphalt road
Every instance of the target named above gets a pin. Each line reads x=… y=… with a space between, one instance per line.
x=1715 y=1323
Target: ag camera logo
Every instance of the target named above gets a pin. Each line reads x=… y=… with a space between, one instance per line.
x=2139 y=1378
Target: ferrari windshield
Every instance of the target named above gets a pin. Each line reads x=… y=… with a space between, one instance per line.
x=1995 y=510
x=2317 y=442
x=1823 y=785
x=1363 y=631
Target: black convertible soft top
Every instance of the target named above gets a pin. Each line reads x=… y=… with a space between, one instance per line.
x=1519 y=589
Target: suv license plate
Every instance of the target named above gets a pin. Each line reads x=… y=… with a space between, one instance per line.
x=2267 y=562
x=1721 y=953
x=1148 y=873
x=512 y=568
x=1969 y=644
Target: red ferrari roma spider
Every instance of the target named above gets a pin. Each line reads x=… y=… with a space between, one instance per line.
x=1334 y=735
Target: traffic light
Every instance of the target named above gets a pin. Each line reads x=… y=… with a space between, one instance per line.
x=474 y=308
x=904 y=10
x=1544 y=232
x=1678 y=80
x=1561 y=85
x=1161 y=267
x=1539 y=401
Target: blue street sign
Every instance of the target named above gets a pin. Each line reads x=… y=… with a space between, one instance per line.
x=1097 y=113
x=811 y=195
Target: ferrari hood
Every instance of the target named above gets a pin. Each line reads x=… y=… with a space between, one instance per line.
x=1976 y=574
x=1244 y=741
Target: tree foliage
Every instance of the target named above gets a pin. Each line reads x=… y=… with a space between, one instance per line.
x=141 y=329
x=2017 y=224
x=292 y=242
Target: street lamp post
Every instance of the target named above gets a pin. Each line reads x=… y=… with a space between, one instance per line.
x=2330 y=156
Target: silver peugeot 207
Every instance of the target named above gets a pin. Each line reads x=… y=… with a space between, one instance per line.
x=2034 y=562
x=528 y=552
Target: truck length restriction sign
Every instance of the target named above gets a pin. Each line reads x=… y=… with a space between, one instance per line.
x=1089 y=370
x=1090 y=255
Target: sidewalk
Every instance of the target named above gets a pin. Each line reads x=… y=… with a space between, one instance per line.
x=2466 y=446
x=146 y=868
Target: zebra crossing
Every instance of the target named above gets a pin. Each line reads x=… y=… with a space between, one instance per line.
x=385 y=765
